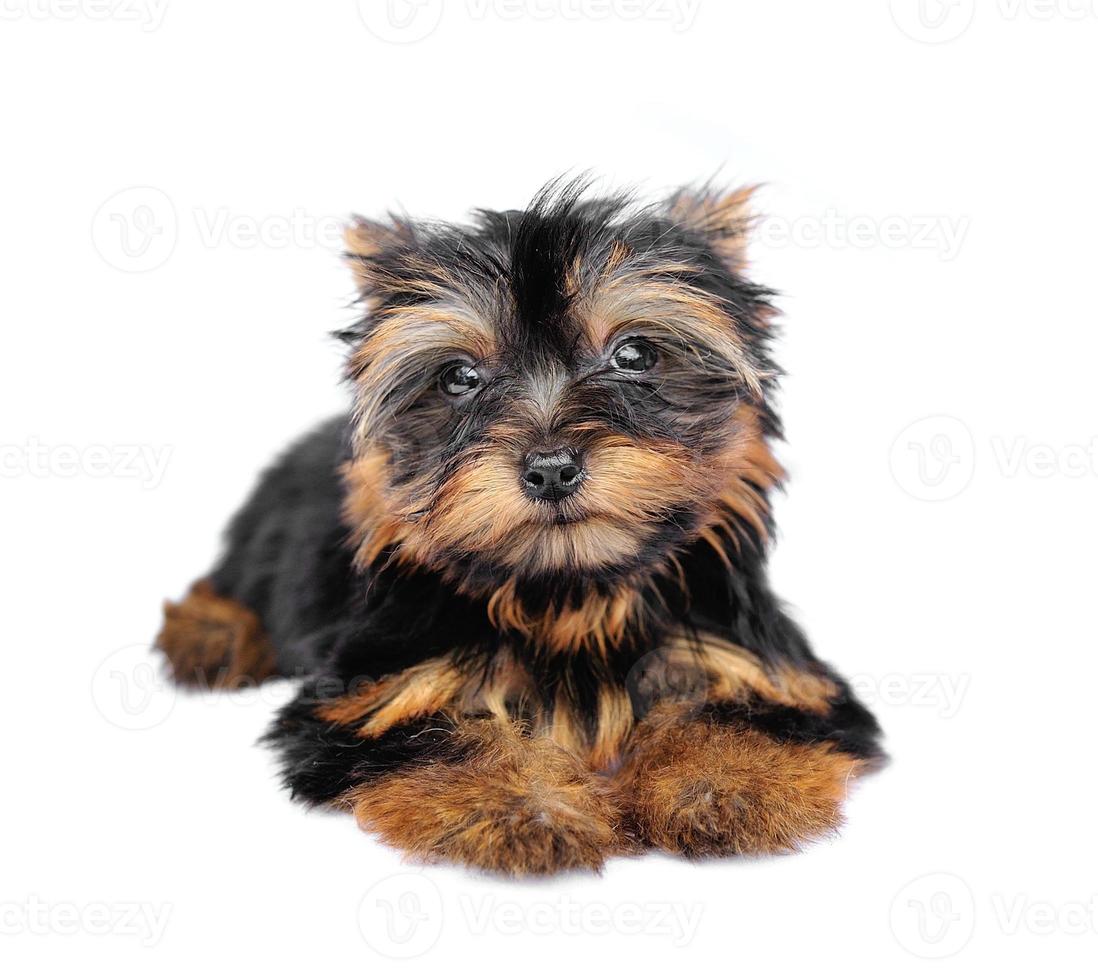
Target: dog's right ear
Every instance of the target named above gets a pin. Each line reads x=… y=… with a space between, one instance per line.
x=368 y=242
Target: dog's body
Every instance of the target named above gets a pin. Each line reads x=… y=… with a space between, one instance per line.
x=526 y=578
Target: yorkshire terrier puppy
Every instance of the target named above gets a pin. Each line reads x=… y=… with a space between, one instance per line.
x=525 y=578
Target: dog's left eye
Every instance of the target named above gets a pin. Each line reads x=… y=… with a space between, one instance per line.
x=634 y=356
x=459 y=379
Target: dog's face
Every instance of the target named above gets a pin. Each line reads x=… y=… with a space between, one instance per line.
x=574 y=389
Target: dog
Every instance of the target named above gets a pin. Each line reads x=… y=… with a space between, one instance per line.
x=524 y=578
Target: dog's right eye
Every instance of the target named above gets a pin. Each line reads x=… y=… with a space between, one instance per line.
x=459 y=379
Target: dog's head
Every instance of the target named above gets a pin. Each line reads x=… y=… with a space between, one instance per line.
x=577 y=389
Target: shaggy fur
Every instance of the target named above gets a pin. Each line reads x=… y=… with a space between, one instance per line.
x=509 y=802
x=528 y=680
x=699 y=786
x=214 y=641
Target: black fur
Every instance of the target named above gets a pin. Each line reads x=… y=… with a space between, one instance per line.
x=290 y=558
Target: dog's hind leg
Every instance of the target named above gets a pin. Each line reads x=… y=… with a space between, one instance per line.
x=212 y=641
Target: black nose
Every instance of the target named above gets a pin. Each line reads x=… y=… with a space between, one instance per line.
x=552 y=476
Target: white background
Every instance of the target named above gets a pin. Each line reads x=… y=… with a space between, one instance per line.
x=932 y=210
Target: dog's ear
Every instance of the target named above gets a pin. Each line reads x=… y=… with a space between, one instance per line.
x=723 y=218
x=367 y=242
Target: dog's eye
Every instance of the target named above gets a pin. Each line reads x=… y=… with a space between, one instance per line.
x=459 y=379
x=634 y=356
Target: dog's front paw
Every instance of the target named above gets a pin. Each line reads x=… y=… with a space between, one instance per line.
x=504 y=803
x=701 y=788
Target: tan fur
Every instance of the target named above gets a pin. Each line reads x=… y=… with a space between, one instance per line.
x=215 y=642
x=373 y=522
x=522 y=787
x=700 y=788
x=749 y=471
x=688 y=668
x=365 y=240
x=716 y=670
x=524 y=790
x=563 y=727
x=596 y=622
x=507 y=693
x=724 y=218
x=601 y=749
x=514 y=805
x=523 y=799
x=446 y=327
x=614 y=722
x=481 y=509
x=420 y=690
x=636 y=293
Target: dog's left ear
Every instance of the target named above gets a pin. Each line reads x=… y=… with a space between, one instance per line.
x=723 y=218
x=368 y=242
